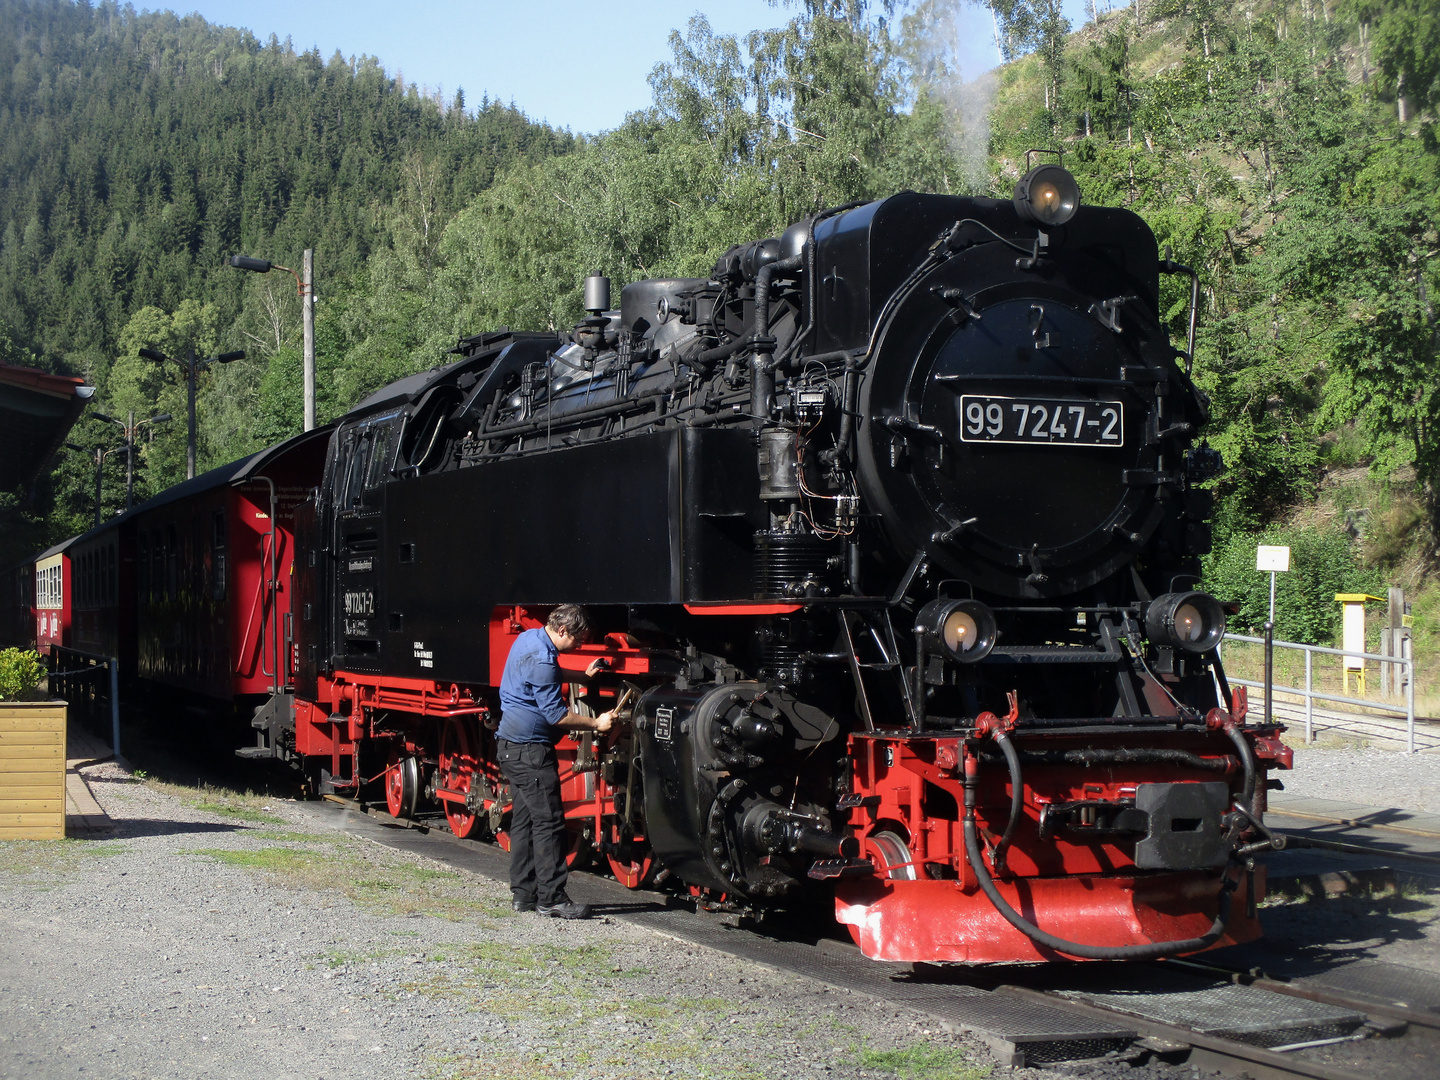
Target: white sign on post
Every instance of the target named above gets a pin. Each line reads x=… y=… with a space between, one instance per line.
x=1275 y=560
x=1272 y=558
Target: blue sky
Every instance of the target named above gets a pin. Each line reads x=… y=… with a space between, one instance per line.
x=573 y=63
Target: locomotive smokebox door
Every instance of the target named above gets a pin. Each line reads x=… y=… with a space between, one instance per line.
x=1185 y=826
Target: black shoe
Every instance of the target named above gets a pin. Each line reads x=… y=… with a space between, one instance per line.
x=519 y=904
x=565 y=909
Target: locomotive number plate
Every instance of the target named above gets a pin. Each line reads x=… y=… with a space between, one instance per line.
x=1048 y=421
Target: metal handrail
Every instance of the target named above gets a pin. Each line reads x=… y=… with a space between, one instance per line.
x=98 y=661
x=1311 y=695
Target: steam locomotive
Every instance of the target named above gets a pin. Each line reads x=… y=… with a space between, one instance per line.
x=889 y=528
x=889 y=532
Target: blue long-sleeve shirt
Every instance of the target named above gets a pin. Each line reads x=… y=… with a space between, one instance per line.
x=531 y=702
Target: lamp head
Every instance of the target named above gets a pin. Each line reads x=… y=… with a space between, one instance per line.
x=154 y=354
x=1047 y=195
x=256 y=266
x=964 y=629
x=1193 y=621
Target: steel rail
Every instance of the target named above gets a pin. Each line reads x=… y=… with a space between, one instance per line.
x=1207 y=1051
x=1300 y=840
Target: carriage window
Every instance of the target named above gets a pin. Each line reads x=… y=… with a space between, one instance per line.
x=112 y=576
x=157 y=567
x=217 y=556
x=172 y=563
x=142 y=567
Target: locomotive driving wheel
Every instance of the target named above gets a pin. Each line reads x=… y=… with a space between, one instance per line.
x=402 y=783
x=577 y=847
x=889 y=851
x=630 y=862
x=457 y=772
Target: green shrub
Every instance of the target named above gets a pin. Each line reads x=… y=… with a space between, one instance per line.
x=21 y=671
x=1323 y=561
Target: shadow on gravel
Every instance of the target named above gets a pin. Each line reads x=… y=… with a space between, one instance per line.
x=126 y=828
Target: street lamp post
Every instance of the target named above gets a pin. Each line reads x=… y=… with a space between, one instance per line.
x=190 y=366
x=130 y=430
x=306 y=285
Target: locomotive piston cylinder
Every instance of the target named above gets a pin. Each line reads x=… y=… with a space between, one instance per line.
x=772 y=830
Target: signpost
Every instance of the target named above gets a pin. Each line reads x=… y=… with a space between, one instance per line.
x=1274 y=560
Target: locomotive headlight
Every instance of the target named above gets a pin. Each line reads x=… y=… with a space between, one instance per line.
x=1193 y=621
x=1047 y=194
x=964 y=629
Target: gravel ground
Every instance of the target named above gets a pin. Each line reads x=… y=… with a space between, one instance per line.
x=1369 y=776
x=227 y=936
x=223 y=936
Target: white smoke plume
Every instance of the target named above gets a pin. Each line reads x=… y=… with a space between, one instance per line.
x=951 y=48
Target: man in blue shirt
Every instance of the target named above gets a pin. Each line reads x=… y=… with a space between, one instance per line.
x=533 y=718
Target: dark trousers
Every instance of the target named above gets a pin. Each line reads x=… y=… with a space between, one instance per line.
x=537 y=822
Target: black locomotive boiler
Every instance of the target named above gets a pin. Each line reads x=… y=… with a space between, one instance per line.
x=890 y=529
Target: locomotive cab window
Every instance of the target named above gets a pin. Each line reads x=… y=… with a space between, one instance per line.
x=424 y=443
x=355 y=475
x=382 y=443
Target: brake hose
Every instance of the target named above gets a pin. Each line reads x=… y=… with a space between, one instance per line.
x=1149 y=951
x=1017 y=797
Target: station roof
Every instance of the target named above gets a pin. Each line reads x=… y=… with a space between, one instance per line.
x=37 y=410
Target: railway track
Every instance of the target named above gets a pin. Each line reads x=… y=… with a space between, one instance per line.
x=1385 y=725
x=1194 y=1013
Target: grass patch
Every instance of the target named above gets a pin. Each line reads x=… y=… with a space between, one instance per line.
x=27 y=858
x=924 y=1062
x=284 y=837
x=375 y=879
x=244 y=806
x=587 y=1018
x=338 y=958
x=244 y=813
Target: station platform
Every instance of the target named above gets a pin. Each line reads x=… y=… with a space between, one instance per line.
x=84 y=817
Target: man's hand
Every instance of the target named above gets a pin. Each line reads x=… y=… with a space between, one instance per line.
x=604 y=722
x=597 y=665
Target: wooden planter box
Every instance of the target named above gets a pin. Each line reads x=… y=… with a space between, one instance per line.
x=32 y=770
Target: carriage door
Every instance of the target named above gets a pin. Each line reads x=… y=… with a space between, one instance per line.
x=366 y=451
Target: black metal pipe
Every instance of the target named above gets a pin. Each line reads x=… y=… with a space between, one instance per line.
x=1247 y=761
x=1123 y=756
x=564 y=420
x=1017 y=797
x=1269 y=668
x=721 y=352
x=762 y=375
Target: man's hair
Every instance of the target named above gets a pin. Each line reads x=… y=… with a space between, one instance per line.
x=569 y=619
